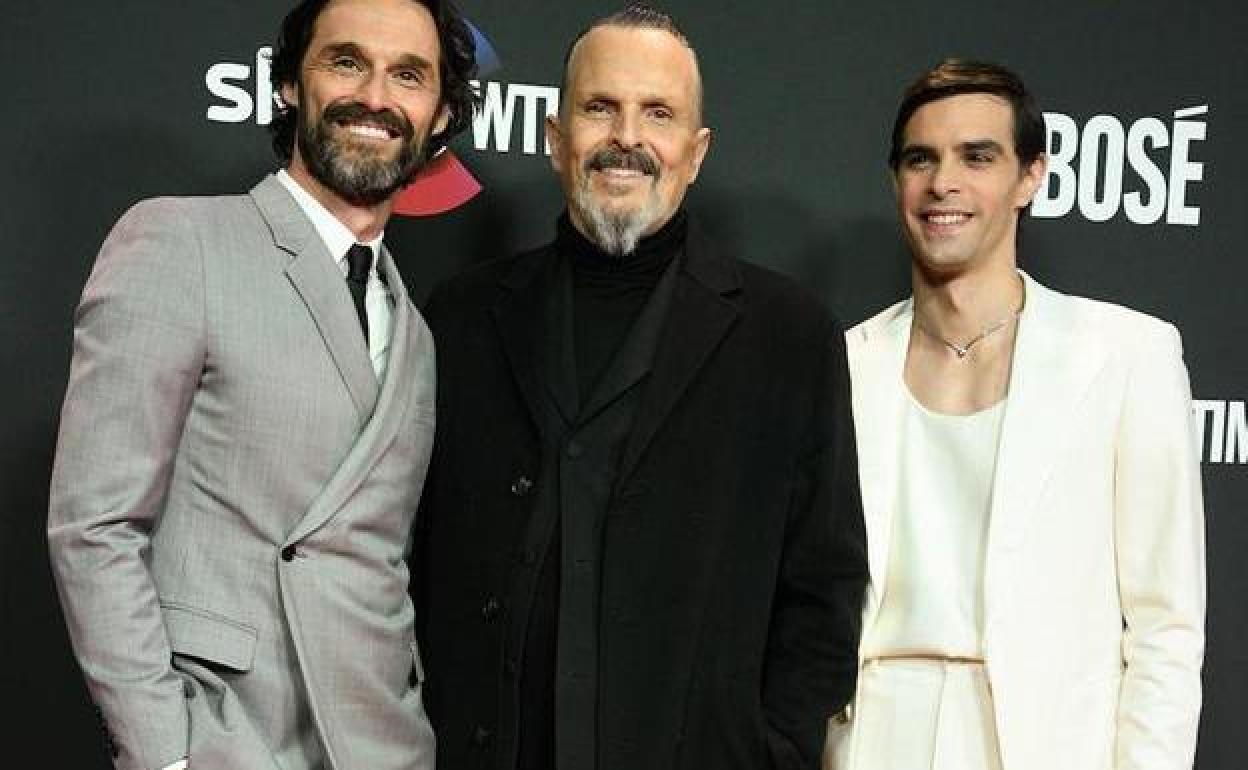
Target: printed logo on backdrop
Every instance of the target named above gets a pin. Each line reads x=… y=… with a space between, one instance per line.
x=510 y=111
x=1142 y=170
x=1220 y=429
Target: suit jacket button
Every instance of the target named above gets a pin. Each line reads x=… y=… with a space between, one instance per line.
x=509 y=666
x=288 y=553
x=491 y=609
x=482 y=736
x=574 y=450
x=521 y=486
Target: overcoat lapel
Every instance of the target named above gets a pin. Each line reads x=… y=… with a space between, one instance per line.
x=558 y=344
x=410 y=365
x=701 y=313
x=635 y=357
x=879 y=401
x=321 y=286
x=520 y=317
x=1055 y=366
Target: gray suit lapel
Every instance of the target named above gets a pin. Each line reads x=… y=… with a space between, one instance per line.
x=410 y=365
x=321 y=286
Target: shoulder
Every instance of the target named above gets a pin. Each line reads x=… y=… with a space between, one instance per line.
x=187 y=216
x=1117 y=326
x=775 y=298
x=483 y=282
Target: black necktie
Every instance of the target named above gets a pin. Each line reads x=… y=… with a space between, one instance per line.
x=359 y=263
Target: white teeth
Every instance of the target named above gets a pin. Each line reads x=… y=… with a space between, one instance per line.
x=947 y=219
x=370 y=131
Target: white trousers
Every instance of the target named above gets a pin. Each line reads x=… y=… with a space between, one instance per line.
x=917 y=714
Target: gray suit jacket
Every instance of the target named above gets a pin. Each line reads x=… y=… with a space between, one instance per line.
x=233 y=495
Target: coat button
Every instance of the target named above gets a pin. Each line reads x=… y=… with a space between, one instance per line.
x=521 y=486
x=288 y=553
x=491 y=609
x=482 y=736
x=574 y=450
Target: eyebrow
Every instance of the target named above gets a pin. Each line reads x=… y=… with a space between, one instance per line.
x=406 y=61
x=982 y=145
x=974 y=145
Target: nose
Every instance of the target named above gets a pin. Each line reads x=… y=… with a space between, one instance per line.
x=626 y=128
x=373 y=90
x=944 y=180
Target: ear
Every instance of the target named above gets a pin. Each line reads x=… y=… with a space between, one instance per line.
x=1032 y=178
x=554 y=138
x=289 y=93
x=442 y=120
x=702 y=143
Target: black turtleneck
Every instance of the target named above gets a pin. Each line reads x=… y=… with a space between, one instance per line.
x=608 y=292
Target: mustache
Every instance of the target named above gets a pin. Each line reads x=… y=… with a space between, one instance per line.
x=625 y=159
x=354 y=112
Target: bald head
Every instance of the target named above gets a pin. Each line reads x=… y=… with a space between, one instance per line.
x=637 y=17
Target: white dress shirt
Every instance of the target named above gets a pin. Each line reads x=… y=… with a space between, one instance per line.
x=338 y=240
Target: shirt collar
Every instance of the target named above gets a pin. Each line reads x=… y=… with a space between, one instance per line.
x=335 y=235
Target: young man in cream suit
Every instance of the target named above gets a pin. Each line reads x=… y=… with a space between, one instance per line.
x=247 y=425
x=1031 y=492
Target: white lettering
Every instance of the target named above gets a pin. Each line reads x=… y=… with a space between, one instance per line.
x=1183 y=171
x=219 y=81
x=1217 y=423
x=264 y=86
x=1103 y=207
x=1145 y=133
x=225 y=81
x=1236 y=433
x=1056 y=200
x=494 y=126
x=1098 y=182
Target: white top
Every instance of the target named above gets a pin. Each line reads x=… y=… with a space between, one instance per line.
x=339 y=240
x=933 y=602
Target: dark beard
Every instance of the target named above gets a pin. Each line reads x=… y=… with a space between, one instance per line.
x=357 y=177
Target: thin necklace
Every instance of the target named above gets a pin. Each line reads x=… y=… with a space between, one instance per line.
x=962 y=350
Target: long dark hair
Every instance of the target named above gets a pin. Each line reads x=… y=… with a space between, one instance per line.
x=457 y=67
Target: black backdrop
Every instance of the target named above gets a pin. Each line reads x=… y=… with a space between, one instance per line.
x=110 y=102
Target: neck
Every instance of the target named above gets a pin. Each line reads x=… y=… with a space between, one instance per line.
x=961 y=306
x=365 y=221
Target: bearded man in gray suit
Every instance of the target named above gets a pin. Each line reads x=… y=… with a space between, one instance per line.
x=238 y=465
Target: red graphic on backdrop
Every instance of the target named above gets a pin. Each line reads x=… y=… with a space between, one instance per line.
x=444 y=184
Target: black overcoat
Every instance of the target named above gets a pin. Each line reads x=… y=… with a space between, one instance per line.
x=733 y=553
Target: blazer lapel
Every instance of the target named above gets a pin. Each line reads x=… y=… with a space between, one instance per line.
x=558 y=343
x=321 y=285
x=635 y=357
x=700 y=315
x=410 y=366
x=877 y=363
x=1054 y=368
x=520 y=317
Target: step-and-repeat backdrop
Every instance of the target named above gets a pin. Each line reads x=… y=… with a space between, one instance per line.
x=1146 y=204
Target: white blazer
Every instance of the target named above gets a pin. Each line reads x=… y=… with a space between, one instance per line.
x=1094 y=584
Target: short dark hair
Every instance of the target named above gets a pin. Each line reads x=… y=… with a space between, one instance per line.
x=457 y=67
x=960 y=76
x=634 y=16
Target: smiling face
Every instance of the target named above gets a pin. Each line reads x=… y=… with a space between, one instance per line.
x=367 y=99
x=629 y=139
x=960 y=185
